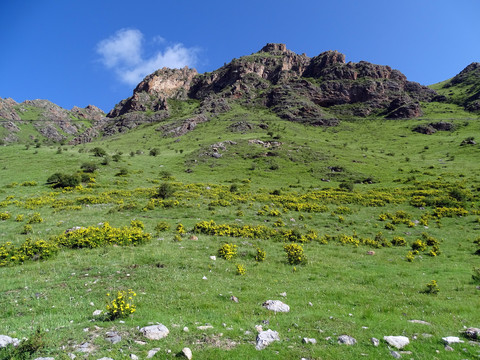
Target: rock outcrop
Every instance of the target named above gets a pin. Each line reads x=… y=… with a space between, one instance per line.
x=315 y=91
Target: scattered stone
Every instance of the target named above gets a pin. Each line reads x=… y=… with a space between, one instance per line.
x=134 y=357
x=193 y=237
x=395 y=354
x=448 y=348
x=113 y=337
x=186 y=353
x=213 y=257
x=310 y=304
x=284 y=294
x=85 y=347
x=472 y=333
x=309 y=341
x=346 y=340
x=371 y=252
x=276 y=305
x=426 y=336
x=398 y=342
x=452 y=340
x=151 y=353
x=6 y=340
x=259 y=328
x=234 y=298
x=205 y=327
x=265 y=338
x=155 y=332
x=140 y=342
x=185 y=329
x=375 y=341
x=419 y=322
x=204 y=278
x=97 y=312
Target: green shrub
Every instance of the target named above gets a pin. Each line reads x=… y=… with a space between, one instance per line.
x=89 y=167
x=164 y=191
x=122 y=172
x=432 y=288
x=154 y=152
x=98 y=151
x=35 y=218
x=162 y=226
x=59 y=180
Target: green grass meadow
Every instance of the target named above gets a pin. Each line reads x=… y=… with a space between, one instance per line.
x=346 y=184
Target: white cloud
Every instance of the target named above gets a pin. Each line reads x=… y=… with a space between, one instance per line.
x=122 y=53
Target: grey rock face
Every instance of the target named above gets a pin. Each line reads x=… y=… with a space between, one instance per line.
x=155 y=332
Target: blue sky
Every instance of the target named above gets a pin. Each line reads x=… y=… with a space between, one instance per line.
x=94 y=52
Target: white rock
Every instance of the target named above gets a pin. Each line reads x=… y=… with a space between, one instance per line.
x=71 y=356
x=276 y=305
x=205 y=327
x=6 y=340
x=259 y=328
x=204 y=278
x=419 y=322
x=309 y=341
x=186 y=353
x=151 y=353
x=448 y=348
x=452 y=340
x=186 y=329
x=97 y=312
x=133 y=357
x=213 y=257
x=155 y=332
x=346 y=340
x=265 y=338
x=398 y=342
x=284 y=294
x=375 y=341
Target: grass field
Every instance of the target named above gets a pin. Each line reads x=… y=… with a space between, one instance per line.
x=338 y=192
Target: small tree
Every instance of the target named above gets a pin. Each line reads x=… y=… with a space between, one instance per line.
x=165 y=190
x=89 y=167
x=98 y=151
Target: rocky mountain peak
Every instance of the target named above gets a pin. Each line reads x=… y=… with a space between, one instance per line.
x=274 y=48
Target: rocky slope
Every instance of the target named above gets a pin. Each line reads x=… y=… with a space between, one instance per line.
x=317 y=91
x=50 y=121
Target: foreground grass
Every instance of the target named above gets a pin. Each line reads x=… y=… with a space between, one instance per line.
x=341 y=290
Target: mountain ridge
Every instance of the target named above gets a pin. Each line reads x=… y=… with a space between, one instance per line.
x=319 y=91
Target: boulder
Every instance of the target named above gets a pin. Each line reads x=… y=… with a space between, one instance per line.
x=6 y=340
x=155 y=332
x=276 y=305
x=398 y=342
x=473 y=333
x=452 y=340
x=346 y=340
x=265 y=338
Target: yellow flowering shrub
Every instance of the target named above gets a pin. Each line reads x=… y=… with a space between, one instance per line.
x=295 y=254
x=227 y=251
x=121 y=305
x=241 y=270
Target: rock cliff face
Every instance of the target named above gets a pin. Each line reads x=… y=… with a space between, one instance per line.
x=315 y=90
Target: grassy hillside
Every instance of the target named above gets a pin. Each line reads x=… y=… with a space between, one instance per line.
x=338 y=192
